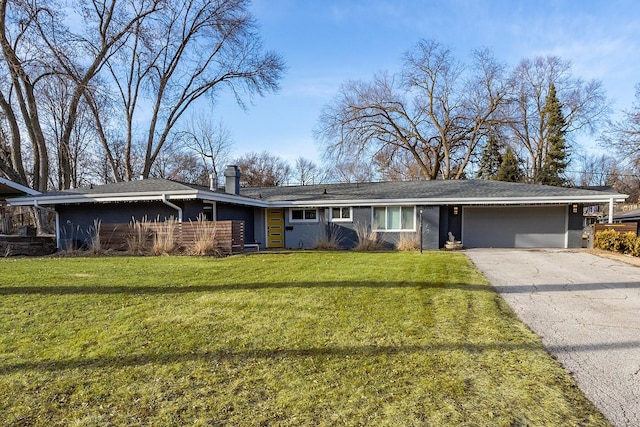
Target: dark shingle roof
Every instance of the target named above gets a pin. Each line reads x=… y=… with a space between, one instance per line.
x=426 y=192
x=441 y=189
x=151 y=185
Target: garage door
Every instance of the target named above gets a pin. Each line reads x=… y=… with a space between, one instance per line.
x=514 y=227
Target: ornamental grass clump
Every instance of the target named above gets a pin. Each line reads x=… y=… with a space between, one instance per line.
x=205 y=240
x=408 y=242
x=368 y=240
x=330 y=240
x=95 y=243
x=164 y=237
x=140 y=235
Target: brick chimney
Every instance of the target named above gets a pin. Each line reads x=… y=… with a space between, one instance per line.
x=232 y=179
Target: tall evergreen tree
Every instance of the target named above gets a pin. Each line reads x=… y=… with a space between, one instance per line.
x=510 y=170
x=556 y=157
x=491 y=158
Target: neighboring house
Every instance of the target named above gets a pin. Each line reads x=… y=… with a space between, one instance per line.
x=479 y=213
x=630 y=218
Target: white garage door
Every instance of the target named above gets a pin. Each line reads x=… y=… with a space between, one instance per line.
x=514 y=227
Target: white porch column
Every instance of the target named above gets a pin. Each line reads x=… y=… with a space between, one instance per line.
x=611 y=210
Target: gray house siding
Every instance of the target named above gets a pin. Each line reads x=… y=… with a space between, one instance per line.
x=259 y=227
x=304 y=235
x=228 y=212
x=575 y=227
x=77 y=221
x=347 y=231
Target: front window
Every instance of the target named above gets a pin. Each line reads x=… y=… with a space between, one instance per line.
x=341 y=214
x=394 y=218
x=303 y=215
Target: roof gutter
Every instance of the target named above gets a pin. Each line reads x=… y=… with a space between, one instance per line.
x=451 y=201
x=138 y=197
x=172 y=205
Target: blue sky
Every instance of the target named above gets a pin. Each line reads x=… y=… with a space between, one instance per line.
x=327 y=42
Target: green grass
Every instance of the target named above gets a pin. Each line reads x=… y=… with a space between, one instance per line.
x=305 y=338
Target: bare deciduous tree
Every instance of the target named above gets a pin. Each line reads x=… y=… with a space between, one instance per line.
x=584 y=106
x=351 y=171
x=191 y=48
x=593 y=169
x=306 y=172
x=263 y=170
x=180 y=165
x=436 y=111
x=623 y=136
x=160 y=57
x=211 y=142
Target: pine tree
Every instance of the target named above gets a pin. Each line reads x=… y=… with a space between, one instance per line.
x=510 y=170
x=491 y=159
x=555 y=160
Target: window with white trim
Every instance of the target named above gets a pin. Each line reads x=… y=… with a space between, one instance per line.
x=394 y=218
x=341 y=214
x=303 y=215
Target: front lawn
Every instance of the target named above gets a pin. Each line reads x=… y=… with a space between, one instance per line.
x=302 y=338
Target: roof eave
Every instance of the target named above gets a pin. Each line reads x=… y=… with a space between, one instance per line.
x=453 y=201
x=134 y=197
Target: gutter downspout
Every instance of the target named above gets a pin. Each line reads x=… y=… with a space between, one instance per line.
x=174 y=206
x=57 y=217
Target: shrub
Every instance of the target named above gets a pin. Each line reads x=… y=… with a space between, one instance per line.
x=611 y=240
x=627 y=243
x=605 y=240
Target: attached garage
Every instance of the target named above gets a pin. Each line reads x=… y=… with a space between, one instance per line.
x=515 y=227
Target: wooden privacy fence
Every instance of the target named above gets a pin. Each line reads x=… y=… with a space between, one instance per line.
x=620 y=227
x=227 y=235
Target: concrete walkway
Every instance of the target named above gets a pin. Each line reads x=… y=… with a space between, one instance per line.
x=586 y=309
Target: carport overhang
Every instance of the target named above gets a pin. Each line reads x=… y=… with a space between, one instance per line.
x=10 y=189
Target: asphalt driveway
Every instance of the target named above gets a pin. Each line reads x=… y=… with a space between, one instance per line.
x=586 y=309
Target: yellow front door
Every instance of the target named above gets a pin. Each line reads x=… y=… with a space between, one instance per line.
x=275 y=228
